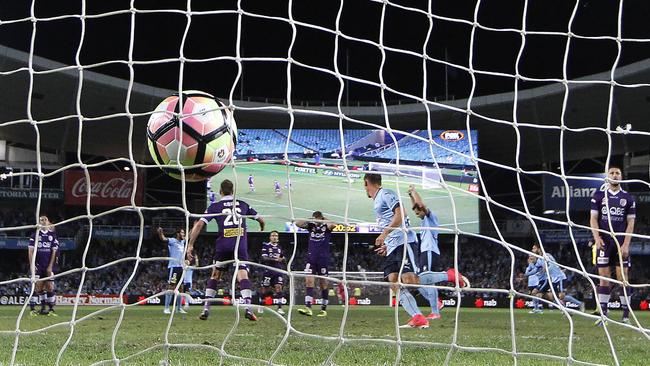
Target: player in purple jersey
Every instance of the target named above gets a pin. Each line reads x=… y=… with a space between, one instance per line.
x=231 y=243
x=251 y=183
x=318 y=257
x=613 y=211
x=272 y=281
x=42 y=256
x=277 y=189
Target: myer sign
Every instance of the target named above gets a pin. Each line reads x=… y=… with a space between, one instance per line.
x=579 y=192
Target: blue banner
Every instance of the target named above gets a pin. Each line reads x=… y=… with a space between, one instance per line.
x=12 y=242
x=580 y=192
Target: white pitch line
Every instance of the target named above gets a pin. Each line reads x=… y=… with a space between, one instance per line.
x=304 y=209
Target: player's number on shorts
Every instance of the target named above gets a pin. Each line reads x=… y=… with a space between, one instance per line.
x=230 y=219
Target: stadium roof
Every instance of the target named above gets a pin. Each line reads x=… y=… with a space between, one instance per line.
x=105 y=129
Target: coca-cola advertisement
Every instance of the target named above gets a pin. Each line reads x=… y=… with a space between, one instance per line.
x=107 y=188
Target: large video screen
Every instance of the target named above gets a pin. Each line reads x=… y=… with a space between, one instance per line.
x=317 y=182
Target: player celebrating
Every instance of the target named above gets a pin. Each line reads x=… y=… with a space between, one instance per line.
x=533 y=273
x=272 y=256
x=616 y=208
x=176 y=246
x=318 y=256
x=251 y=183
x=227 y=212
x=45 y=248
x=392 y=242
x=557 y=279
x=429 y=249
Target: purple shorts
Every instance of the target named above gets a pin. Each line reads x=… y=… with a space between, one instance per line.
x=608 y=256
x=227 y=253
x=272 y=278
x=318 y=266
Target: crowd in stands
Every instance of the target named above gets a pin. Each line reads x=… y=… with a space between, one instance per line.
x=414 y=149
x=273 y=141
x=487 y=264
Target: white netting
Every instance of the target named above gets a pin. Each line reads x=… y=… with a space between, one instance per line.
x=384 y=117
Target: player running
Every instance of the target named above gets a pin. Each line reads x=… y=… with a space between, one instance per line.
x=616 y=208
x=318 y=256
x=394 y=239
x=231 y=237
x=557 y=280
x=429 y=250
x=44 y=245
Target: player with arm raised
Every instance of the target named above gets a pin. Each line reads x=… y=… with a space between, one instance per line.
x=557 y=279
x=44 y=246
x=429 y=250
x=532 y=272
x=391 y=244
x=272 y=256
x=176 y=246
x=228 y=213
x=617 y=208
x=318 y=257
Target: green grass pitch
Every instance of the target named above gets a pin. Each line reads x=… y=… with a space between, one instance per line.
x=317 y=192
x=369 y=332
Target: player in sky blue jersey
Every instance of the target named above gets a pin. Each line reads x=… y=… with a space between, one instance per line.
x=318 y=258
x=533 y=272
x=231 y=243
x=429 y=254
x=176 y=246
x=554 y=278
x=616 y=208
x=42 y=255
x=392 y=243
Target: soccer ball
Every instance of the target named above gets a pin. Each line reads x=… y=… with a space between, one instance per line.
x=208 y=138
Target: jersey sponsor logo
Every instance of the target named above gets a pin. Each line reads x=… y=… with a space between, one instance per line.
x=233 y=232
x=616 y=211
x=452 y=135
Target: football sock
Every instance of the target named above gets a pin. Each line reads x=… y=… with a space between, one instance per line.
x=32 y=301
x=168 y=299
x=572 y=299
x=536 y=304
x=324 y=295
x=246 y=293
x=179 y=298
x=51 y=300
x=309 y=298
x=603 y=297
x=43 y=298
x=279 y=295
x=408 y=302
x=210 y=292
x=430 y=278
x=431 y=294
x=624 y=302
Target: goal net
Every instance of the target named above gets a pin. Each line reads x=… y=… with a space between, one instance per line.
x=428 y=178
x=324 y=92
